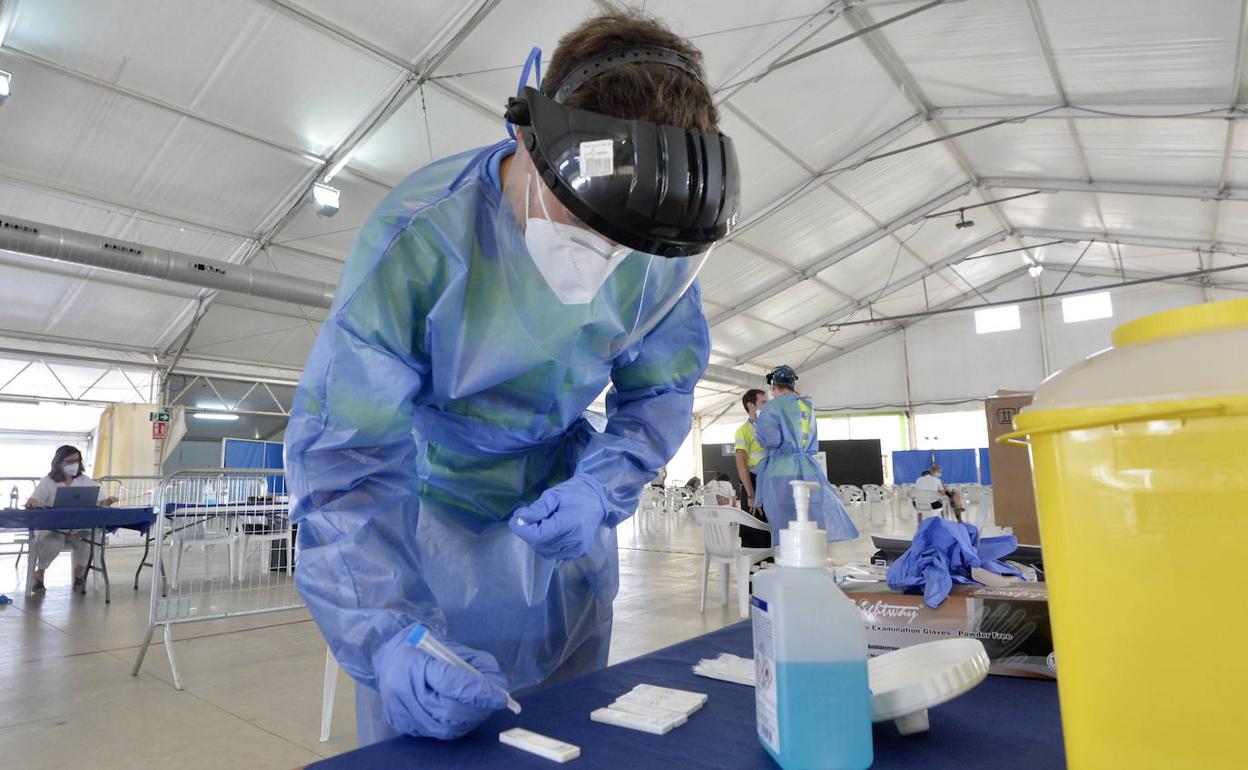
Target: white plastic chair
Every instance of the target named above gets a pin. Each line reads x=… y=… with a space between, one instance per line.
x=650 y=508
x=723 y=547
x=903 y=498
x=984 y=515
x=923 y=501
x=328 y=690
x=875 y=502
x=206 y=536
x=276 y=529
x=850 y=494
x=971 y=494
x=852 y=498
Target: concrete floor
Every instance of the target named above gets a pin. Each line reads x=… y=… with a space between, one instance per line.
x=253 y=684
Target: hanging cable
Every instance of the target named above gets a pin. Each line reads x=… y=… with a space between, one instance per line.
x=832 y=44
x=960 y=209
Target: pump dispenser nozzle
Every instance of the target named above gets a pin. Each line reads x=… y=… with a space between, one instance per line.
x=802 y=543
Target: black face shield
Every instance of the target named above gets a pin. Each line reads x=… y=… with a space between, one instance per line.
x=658 y=189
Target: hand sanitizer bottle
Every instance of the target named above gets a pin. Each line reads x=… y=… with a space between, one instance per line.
x=812 y=700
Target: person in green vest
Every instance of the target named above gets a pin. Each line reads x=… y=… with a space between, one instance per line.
x=788 y=432
x=749 y=453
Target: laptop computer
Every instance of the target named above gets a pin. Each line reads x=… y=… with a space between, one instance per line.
x=77 y=497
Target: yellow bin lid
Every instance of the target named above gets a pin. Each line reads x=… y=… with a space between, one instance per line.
x=1187 y=362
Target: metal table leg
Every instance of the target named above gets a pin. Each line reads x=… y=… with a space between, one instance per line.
x=31 y=560
x=147 y=547
x=86 y=573
x=108 y=589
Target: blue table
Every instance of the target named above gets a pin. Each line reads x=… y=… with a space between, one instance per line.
x=1003 y=724
x=96 y=519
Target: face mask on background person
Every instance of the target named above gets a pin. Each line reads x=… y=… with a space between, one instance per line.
x=71 y=469
x=936 y=474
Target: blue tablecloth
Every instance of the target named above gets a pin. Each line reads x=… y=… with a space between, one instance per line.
x=138 y=519
x=1004 y=723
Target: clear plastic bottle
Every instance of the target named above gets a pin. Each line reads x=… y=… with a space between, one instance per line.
x=14 y=498
x=812 y=699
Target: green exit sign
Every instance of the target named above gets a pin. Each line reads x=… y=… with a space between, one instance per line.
x=159 y=416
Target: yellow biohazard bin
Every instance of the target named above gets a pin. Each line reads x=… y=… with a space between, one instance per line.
x=1140 y=458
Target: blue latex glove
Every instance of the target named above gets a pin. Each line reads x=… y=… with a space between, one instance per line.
x=564 y=521
x=992 y=549
x=943 y=553
x=423 y=696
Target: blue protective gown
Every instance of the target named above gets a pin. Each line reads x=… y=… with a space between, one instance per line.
x=446 y=389
x=788 y=430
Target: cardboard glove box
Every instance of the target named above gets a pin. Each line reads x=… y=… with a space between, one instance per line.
x=1012 y=622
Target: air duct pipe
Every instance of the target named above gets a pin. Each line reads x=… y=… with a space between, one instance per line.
x=736 y=378
x=37 y=240
x=49 y=242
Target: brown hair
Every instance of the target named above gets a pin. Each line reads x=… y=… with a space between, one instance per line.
x=750 y=397
x=648 y=91
x=58 y=459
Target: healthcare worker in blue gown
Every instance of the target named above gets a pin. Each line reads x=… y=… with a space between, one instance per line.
x=442 y=471
x=788 y=430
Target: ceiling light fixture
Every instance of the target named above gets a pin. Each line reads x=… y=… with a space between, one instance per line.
x=963 y=222
x=324 y=200
x=221 y=416
x=1035 y=270
x=6 y=80
x=335 y=169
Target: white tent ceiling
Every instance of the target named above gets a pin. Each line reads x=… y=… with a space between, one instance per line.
x=199 y=127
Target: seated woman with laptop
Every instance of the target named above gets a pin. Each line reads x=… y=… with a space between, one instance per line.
x=65 y=486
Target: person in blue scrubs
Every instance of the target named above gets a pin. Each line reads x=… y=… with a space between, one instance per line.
x=789 y=432
x=443 y=473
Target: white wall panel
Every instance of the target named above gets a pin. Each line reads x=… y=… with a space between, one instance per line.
x=1128 y=50
x=871 y=375
x=732 y=274
x=1039 y=148
x=1071 y=343
x=946 y=49
x=1178 y=151
x=949 y=361
x=400 y=27
x=852 y=100
x=892 y=186
x=733 y=34
x=424 y=128
x=809 y=227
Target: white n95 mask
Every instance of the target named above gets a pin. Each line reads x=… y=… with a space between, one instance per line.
x=575 y=262
x=71 y=469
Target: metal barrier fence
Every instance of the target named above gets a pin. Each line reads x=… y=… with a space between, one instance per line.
x=131 y=492
x=223 y=547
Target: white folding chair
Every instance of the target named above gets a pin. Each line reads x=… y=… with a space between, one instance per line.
x=723 y=547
